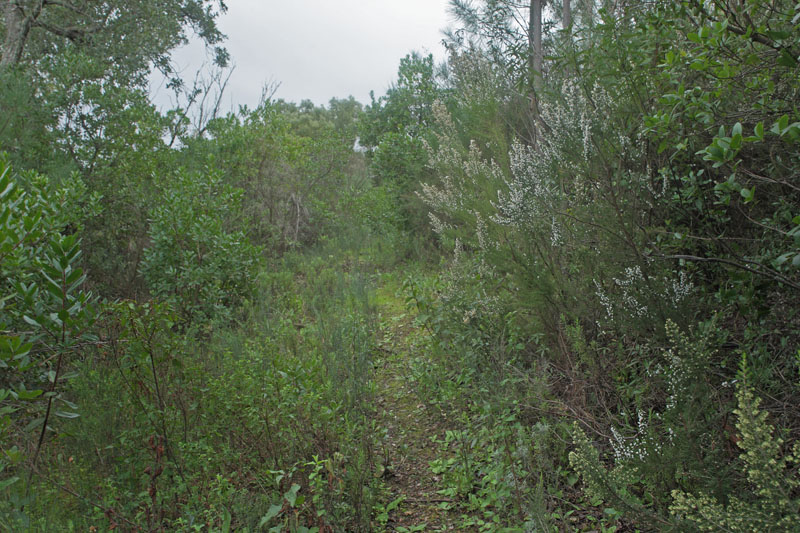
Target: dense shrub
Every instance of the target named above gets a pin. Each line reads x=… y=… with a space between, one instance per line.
x=198 y=259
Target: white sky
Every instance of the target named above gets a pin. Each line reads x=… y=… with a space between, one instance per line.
x=317 y=49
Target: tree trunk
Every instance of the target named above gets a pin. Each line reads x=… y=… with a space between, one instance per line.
x=567 y=15
x=535 y=43
x=534 y=66
x=18 y=26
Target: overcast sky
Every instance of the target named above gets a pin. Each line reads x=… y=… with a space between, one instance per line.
x=318 y=49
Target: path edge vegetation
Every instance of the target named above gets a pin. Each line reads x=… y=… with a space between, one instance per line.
x=591 y=209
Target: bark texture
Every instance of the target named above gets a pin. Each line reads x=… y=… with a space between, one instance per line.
x=17 y=25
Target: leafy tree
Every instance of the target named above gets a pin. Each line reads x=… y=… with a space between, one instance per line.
x=510 y=32
x=36 y=29
x=396 y=126
x=345 y=114
x=198 y=259
x=406 y=107
x=293 y=184
x=77 y=73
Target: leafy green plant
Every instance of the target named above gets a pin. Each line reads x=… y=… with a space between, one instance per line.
x=770 y=502
x=45 y=315
x=199 y=259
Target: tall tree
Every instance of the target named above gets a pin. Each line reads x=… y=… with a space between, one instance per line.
x=535 y=43
x=407 y=106
x=133 y=33
x=510 y=32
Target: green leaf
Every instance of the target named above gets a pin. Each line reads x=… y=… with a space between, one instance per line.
x=31 y=321
x=74 y=276
x=33 y=424
x=8 y=482
x=226 y=522
x=68 y=403
x=291 y=494
x=780 y=125
x=274 y=510
x=786 y=59
x=736 y=141
x=778 y=35
x=7 y=189
x=780 y=260
x=66 y=414
x=394 y=504
x=759 y=131
x=29 y=394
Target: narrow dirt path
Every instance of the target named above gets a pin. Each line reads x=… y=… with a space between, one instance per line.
x=410 y=430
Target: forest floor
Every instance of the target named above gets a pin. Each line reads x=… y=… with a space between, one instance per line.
x=412 y=429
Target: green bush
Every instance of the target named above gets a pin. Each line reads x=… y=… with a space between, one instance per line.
x=770 y=502
x=199 y=258
x=45 y=318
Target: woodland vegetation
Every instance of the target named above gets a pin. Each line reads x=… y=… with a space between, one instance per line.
x=579 y=237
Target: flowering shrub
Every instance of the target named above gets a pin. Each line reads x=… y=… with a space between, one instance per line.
x=772 y=503
x=672 y=439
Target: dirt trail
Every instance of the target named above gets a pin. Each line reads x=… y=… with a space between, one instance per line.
x=410 y=428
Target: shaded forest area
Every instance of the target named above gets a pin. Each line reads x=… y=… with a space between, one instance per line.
x=576 y=243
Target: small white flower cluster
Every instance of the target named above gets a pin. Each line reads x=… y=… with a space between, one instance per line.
x=544 y=177
x=637 y=447
x=677 y=377
x=681 y=288
x=462 y=272
x=480 y=231
x=469 y=314
x=476 y=77
x=438 y=226
x=676 y=289
x=605 y=301
x=555 y=233
x=630 y=287
x=526 y=192
x=458 y=251
x=586 y=128
x=663 y=173
x=447 y=196
x=461 y=172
